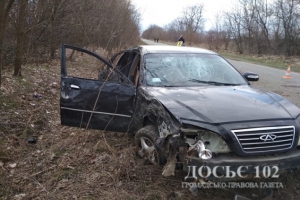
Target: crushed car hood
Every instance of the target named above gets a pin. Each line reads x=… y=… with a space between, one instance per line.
x=221 y=104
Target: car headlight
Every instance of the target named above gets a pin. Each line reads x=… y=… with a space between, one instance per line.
x=211 y=140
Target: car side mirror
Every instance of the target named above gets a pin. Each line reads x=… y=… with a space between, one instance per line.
x=251 y=76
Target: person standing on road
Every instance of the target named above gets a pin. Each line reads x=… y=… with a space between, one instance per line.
x=180 y=41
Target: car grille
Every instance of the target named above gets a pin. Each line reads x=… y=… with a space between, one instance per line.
x=265 y=139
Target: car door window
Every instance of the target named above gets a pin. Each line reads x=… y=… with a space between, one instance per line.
x=121 y=62
x=79 y=64
x=88 y=102
x=125 y=62
x=134 y=74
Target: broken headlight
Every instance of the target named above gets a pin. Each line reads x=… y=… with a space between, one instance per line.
x=211 y=140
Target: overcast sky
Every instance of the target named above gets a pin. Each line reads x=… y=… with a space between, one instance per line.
x=163 y=12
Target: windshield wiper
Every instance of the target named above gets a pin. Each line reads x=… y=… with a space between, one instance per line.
x=211 y=82
x=162 y=85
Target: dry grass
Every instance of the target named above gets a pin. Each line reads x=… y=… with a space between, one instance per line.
x=73 y=163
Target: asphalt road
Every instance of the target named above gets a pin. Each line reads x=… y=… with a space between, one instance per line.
x=271 y=79
x=151 y=42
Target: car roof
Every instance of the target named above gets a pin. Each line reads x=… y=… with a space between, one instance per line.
x=145 y=49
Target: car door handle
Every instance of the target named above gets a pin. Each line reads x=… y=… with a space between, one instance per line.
x=75 y=87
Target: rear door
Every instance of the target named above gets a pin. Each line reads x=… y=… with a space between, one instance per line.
x=94 y=95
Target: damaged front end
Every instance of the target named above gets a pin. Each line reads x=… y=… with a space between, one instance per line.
x=191 y=144
x=203 y=153
x=177 y=142
x=186 y=143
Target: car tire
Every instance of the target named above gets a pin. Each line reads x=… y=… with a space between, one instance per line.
x=146 y=147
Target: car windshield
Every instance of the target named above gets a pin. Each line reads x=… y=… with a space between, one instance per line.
x=189 y=70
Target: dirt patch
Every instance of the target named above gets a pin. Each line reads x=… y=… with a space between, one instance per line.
x=40 y=159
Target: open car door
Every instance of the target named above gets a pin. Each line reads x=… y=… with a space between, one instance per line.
x=89 y=100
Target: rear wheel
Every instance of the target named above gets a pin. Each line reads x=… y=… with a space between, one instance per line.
x=146 y=146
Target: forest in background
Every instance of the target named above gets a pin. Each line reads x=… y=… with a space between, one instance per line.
x=257 y=27
x=33 y=30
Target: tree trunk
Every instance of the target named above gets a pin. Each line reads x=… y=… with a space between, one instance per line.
x=5 y=7
x=20 y=37
x=53 y=42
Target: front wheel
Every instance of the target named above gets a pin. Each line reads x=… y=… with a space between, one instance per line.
x=146 y=146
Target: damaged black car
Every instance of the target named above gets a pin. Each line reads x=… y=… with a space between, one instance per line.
x=186 y=106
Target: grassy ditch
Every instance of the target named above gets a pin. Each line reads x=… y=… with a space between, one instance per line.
x=271 y=61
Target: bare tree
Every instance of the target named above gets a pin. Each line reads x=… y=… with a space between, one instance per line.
x=214 y=35
x=193 y=20
x=153 y=31
x=20 y=36
x=234 y=23
x=5 y=7
x=288 y=14
x=41 y=26
x=261 y=25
